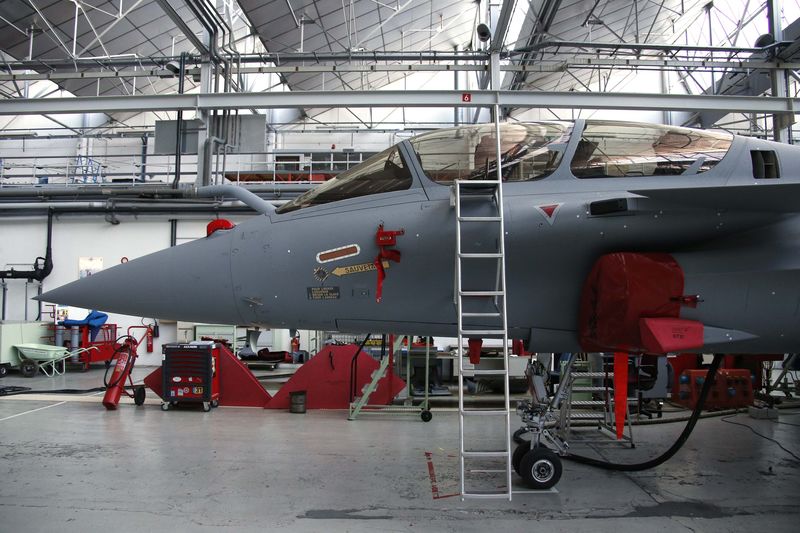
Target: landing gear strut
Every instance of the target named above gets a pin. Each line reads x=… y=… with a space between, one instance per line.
x=538 y=460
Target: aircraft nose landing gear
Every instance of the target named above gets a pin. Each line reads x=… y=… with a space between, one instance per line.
x=538 y=460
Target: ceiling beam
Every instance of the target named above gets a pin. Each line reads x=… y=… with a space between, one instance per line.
x=185 y=29
x=501 y=29
x=395 y=99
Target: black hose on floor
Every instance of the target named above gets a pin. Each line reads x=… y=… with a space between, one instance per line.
x=13 y=391
x=652 y=463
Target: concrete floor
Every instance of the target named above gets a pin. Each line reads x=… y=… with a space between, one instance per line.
x=73 y=466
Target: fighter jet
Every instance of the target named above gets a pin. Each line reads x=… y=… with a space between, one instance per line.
x=617 y=236
x=614 y=236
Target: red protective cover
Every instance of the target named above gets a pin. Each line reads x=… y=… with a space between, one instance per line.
x=621 y=289
x=326 y=380
x=662 y=335
x=218 y=224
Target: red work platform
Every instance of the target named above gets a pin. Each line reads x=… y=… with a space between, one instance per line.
x=238 y=387
x=326 y=380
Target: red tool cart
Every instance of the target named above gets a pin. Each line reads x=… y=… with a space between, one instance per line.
x=189 y=374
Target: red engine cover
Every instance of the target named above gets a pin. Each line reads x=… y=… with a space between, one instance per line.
x=621 y=289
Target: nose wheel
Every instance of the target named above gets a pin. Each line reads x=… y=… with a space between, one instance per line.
x=540 y=468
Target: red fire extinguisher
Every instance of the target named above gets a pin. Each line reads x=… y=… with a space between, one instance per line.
x=149 y=339
x=295 y=344
x=126 y=357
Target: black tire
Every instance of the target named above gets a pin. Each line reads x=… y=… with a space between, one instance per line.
x=516 y=458
x=518 y=435
x=28 y=368
x=3 y=370
x=139 y=395
x=165 y=406
x=540 y=468
x=214 y=403
x=426 y=416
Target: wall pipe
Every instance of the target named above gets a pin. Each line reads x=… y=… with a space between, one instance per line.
x=42 y=266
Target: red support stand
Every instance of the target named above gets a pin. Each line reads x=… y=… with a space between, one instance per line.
x=326 y=380
x=238 y=387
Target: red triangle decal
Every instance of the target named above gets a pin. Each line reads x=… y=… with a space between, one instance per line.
x=549 y=210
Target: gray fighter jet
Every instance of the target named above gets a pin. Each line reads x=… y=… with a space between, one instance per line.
x=618 y=236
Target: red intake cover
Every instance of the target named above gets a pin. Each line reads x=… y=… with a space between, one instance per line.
x=621 y=289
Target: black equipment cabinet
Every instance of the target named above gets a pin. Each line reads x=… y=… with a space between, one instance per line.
x=190 y=374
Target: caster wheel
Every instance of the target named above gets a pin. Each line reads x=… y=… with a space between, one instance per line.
x=165 y=406
x=518 y=435
x=214 y=403
x=3 y=370
x=516 y=458
x=28 y=368
x=138 y=396
x=426 y=416
x=540 y=468
x=206 y=406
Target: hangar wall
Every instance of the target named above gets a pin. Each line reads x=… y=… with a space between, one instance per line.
x=73 y=238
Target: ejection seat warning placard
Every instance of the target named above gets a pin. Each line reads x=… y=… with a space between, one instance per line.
x=323 y=293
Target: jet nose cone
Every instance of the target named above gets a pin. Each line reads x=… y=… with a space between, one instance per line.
x=190 y=282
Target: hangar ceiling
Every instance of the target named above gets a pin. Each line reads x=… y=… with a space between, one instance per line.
x=563 y=45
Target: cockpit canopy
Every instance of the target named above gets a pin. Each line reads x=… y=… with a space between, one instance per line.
x=528 y=151
x=610 y=149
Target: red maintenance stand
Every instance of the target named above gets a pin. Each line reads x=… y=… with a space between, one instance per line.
x=189 y=374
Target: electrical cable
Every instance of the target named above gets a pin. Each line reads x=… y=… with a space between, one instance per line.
x=677 y=445
x=4 y=391
x=727 y=421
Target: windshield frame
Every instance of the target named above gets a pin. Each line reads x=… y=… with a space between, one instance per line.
x=400 y=151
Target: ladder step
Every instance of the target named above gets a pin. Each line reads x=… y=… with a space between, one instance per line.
x=485 y=495
x=589 y=389
x=479 y=219
x=586 y=415
x=471 y=184
x=581 y=403
x=470 y=332
x=592 y=374
x=481 y=315
x=484 y=412
x=499 y=453
x=481 y=293
x=492 y=255
x=491 y=372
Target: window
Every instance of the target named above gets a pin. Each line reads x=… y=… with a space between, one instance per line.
x=528 y=151
x=765 y=164
x=384 y=172
x=620 y=149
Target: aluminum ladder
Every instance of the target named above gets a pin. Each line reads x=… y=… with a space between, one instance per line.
x=363 y=401
x=474 y=195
